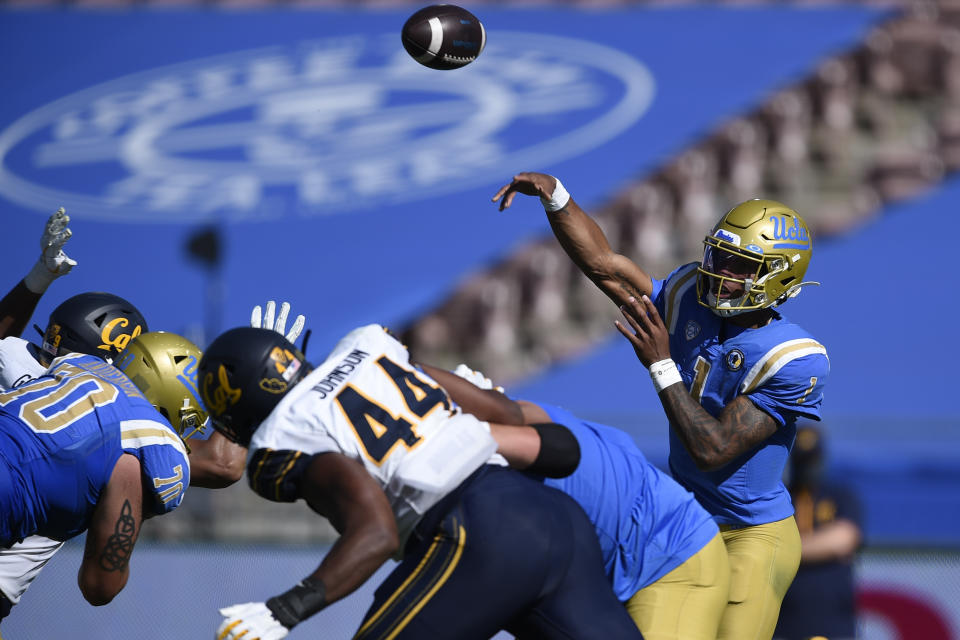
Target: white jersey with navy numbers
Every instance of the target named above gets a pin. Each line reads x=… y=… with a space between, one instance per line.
x=780 y=367
x=368 y=402
x=17 y=363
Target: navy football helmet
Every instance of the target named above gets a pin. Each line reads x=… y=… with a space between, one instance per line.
x=95 y=323
x=244 y=373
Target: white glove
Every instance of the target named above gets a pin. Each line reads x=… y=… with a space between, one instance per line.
x=280 y=325
x=476 y=377
x=53 y=262
x=250 y=621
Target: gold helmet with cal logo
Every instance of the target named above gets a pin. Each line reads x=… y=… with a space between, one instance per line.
x=754 y=258
x=164 y=366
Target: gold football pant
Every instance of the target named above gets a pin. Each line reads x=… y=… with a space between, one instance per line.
x=688 y=602
x=763 y=562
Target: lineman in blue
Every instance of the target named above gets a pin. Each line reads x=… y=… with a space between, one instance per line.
x=82 y=449
x=648 y=525
x=662 y=552
x=732 y=373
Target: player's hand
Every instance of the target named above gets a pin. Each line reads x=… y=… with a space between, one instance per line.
x=646 y=331
x=529 y=184
x=250 y=621
x=476 y=377
x=53 y=262
x=280 y=325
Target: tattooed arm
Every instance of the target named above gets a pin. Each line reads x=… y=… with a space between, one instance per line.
x=583 y=240
x=711 y=442
x=113 y=531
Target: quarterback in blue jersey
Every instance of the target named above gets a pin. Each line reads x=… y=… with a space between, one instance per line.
x=662 y=551
x=733 y=374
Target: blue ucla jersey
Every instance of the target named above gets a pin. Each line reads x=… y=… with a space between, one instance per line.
x=60 y=438
x=647 y=524
x=780 y=367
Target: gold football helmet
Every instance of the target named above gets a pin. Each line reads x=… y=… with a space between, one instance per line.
x=754 y=258
x=164 y=366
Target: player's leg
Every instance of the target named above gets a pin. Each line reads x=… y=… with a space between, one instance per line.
x=578 y=600
x=688 y=602
x=21 y=562
x=501 y=548
x=763 y=562
x=468 y=572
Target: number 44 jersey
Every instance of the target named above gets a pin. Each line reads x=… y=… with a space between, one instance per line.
x=366 y=401
x=61 y=435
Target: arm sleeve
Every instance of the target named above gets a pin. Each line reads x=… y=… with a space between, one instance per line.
x=559 y=453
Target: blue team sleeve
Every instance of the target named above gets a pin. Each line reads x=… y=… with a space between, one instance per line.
x=796 y=390
x=163 y=461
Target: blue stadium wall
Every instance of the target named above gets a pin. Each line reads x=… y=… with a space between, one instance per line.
x=354 y=183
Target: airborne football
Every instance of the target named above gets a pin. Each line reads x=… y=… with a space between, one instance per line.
x=443 y=36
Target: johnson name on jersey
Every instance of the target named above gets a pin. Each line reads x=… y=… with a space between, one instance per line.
x=368 y=402
x=60 y=437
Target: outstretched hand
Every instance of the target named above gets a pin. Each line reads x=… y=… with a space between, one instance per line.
x=53 y=262
x=646 y=333
x=267 y=320
x=529 y=184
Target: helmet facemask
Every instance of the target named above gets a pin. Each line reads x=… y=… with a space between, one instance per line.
x=164 y=367
x=733 y=280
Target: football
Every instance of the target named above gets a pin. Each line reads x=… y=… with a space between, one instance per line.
x=443 y=36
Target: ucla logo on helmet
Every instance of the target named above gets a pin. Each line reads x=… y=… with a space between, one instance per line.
x=727 y=236
x=734 y=359
x=119 y=341
x=790 y=232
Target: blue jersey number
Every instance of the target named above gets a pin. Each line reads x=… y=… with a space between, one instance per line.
x=69 y=395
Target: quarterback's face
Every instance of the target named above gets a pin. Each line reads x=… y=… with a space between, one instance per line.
x=733 y=271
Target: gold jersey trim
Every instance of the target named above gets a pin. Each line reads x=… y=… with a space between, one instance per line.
x=673 y=291
x=778 y=357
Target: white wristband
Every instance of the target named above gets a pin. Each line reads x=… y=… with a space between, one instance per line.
x=39 y=278
x=558 y=200
x=664 y=374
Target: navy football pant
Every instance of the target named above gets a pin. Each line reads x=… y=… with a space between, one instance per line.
x=502 y=552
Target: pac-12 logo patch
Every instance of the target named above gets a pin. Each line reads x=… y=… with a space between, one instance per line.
x=734 y=359
x=691 y=331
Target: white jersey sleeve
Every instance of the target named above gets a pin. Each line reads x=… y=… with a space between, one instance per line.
x=366 y=401
x=17 y=364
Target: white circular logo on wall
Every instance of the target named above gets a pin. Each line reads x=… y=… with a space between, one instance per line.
x=324 y=127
